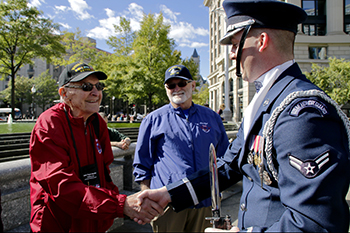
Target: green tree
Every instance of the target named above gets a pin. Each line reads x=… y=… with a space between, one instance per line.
x=46 y=90
x=334 y=79
x=24 y=34
x=79 y=49
x=201 y=96
x=117 y=65
x=122 y=42
x=153 y=51
x=22 y=92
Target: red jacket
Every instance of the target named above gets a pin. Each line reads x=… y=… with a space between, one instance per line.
x=60 y=201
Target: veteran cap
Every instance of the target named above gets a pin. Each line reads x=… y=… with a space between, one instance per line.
x=273 y=14
x=177 y=71
x=78 y=71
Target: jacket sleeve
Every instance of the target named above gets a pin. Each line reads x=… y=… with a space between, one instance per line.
x=312 y=151
x=143 y=160
x=54 y=177
x=180 y=191
x=115 y=135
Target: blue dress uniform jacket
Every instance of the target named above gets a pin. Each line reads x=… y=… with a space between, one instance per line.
x=310 y=155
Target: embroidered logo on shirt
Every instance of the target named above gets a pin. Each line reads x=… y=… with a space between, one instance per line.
x=309 y=168
x=205 y=127
x=298 y=107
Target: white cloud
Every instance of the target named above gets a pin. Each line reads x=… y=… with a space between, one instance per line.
x=198 y=45
x=35 y=3
x=167 y=12
x=106 y=27
x=184 y=33
x=136 y=11
x=60 y=8
x=65 y=25
x=80 y=7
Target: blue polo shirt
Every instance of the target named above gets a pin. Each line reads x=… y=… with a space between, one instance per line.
x=171 y=146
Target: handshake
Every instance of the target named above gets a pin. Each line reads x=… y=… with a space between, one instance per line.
x=145 y=205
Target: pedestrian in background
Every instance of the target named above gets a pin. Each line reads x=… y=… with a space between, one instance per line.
x=173 y=143
x=117 y=138
x=292 y=149
x=70 y=152
x=221 y=110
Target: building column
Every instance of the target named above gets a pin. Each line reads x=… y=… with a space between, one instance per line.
x=335 y=17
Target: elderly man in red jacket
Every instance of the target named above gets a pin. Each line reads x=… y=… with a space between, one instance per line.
x=70 y=152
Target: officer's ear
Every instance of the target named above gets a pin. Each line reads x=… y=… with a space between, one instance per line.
x=264 y=40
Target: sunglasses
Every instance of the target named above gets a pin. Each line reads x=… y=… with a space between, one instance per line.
x=88 y=86
x=171 y=86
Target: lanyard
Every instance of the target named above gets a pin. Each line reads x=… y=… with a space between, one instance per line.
x=75 y=147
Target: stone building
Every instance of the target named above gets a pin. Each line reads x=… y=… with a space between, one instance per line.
x=325 y=34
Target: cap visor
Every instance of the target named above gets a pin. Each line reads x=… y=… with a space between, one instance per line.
x=177 y=77
x=226 y=40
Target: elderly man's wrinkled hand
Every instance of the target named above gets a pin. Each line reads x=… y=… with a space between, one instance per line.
x=141 y=213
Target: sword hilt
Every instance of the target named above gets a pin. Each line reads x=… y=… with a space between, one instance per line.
x=221 y=222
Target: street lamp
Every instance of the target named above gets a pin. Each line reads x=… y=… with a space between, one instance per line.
x=113 y=100
x=33 y=92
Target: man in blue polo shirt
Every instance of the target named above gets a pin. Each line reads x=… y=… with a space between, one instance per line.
x=173 y=143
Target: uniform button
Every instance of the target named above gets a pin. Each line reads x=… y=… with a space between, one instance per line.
x=243 y=207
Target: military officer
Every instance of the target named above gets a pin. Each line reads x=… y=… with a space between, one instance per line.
x=292 y=149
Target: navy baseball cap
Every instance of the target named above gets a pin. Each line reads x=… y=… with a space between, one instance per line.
x=78 y=71
x=177 y=71
x=273 y=14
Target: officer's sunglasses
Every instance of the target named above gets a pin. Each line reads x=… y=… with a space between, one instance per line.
x=88 y=86
x=171 y=86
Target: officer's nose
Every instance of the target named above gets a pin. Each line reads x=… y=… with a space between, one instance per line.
x=233 y=54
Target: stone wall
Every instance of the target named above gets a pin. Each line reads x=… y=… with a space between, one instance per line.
x=14 y=185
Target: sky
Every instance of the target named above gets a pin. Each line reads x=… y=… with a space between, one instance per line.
x=189 y=20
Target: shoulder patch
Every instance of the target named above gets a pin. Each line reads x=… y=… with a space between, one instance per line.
x=309 y=168
x=302 y=104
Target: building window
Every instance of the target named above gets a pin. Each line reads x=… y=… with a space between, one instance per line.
x=315 y=25
x=317 y=52
x=347 y=16
x=240 y=83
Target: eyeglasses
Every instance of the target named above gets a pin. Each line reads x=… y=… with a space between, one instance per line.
x=171 y=86
x=88 y=86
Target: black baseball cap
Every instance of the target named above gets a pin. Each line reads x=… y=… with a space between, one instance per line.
x=273 y=14
x=177 y=71
x=78 y=71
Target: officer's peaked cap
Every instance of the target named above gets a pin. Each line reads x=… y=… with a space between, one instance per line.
x=273 y=14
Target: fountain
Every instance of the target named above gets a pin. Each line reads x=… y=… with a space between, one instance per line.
x=9 y=119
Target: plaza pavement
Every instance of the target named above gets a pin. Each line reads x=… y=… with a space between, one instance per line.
x=229 y=205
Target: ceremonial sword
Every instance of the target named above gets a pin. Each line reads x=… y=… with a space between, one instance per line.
x=216 y=220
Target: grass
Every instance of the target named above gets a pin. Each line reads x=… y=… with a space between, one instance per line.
x=16 y=128
x=28 y=127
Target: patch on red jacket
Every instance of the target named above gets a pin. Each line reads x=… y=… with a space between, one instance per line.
x=98 y=146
